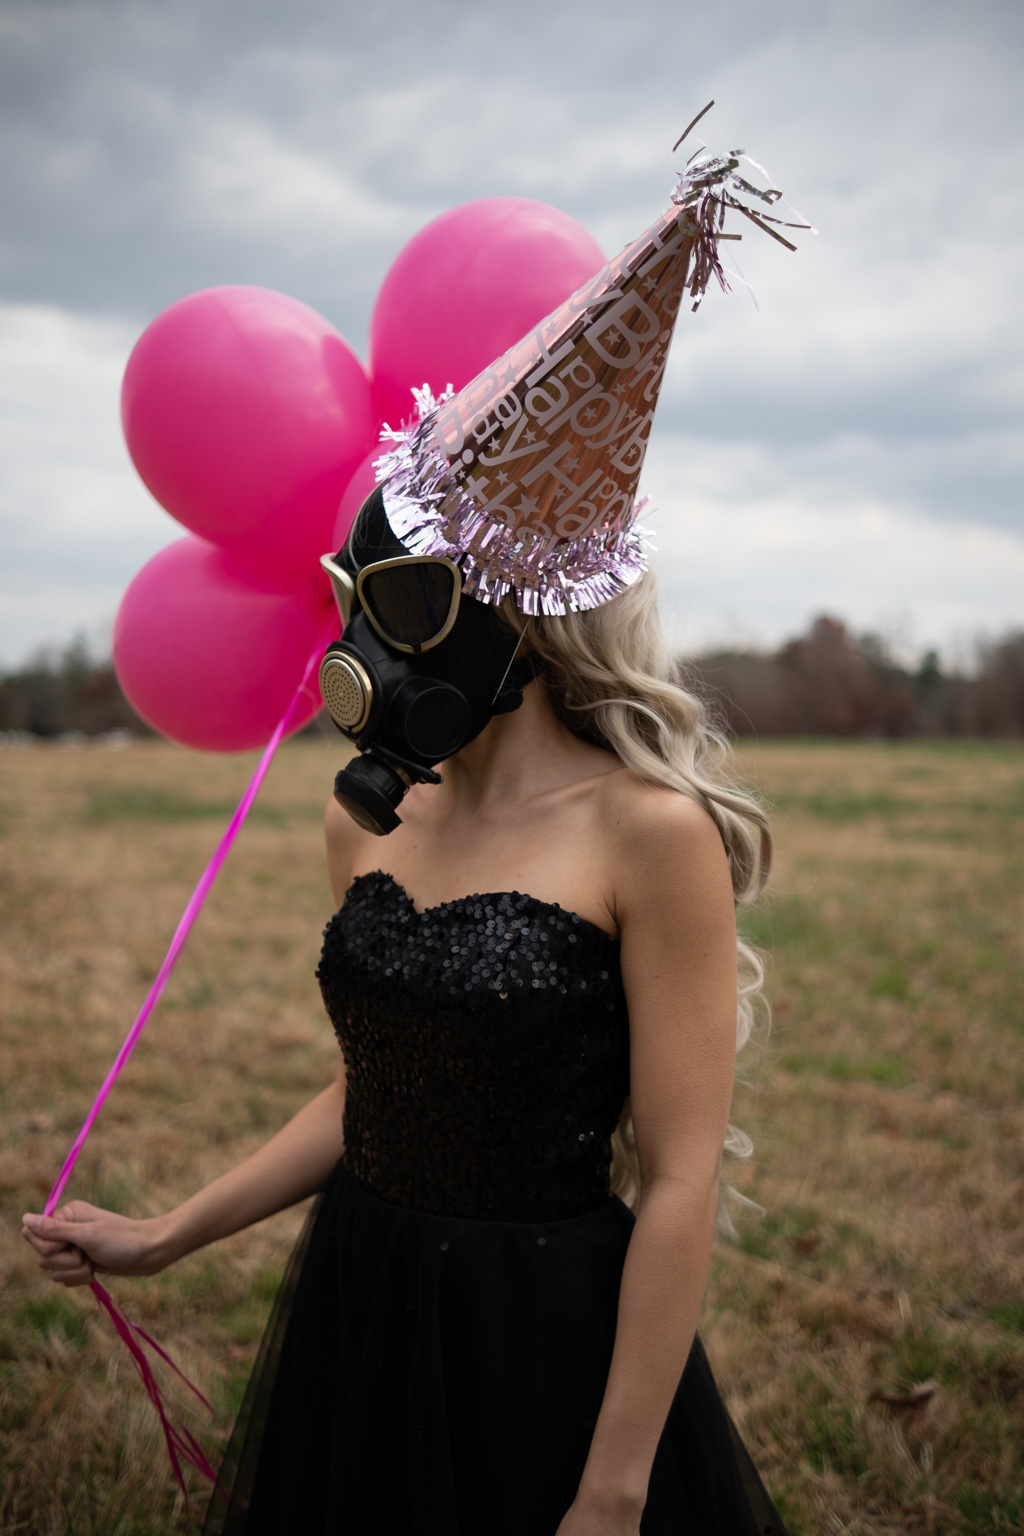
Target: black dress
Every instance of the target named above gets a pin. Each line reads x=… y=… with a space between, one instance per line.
x=439 y=1348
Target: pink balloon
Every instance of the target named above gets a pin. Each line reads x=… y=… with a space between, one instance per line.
x=361 y=484
x=466 y=288
x=245 y=414
x=210 y=657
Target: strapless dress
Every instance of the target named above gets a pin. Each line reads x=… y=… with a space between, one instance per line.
x=438 y=1350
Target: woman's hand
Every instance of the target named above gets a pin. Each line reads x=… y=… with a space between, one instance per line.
x=81 y=1241
x=601 y=1517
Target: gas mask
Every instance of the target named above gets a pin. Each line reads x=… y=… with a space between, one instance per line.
x=419 y=670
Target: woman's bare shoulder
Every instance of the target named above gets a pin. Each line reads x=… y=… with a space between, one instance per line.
x=634 y=808
x=664 y=845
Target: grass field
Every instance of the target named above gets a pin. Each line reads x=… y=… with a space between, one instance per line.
x=868 y=1331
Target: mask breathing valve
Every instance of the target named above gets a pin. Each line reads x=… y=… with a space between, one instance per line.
x=371 y=786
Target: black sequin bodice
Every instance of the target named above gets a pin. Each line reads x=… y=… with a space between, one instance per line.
x=486 y=1047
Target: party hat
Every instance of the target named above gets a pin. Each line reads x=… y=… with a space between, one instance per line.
x=528 y=477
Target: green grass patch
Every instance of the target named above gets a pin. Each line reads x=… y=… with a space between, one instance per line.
x=892 y=980
x=986 y=1511
x=150 y=803
x=202 y=1278
x=228 y=1390
x=887 y=1071
x=118 y=1191
x=767 y=1236
x=55 y=1316
x=146 y=803
x=920 y=1355
x=846 y=807
x=1007 y=1314
x=245 y=1321
x=794 y=923
x=836 y=1441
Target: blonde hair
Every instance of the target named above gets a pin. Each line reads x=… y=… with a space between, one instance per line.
x=611 y=680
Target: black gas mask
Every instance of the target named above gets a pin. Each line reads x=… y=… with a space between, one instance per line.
x=418 y=672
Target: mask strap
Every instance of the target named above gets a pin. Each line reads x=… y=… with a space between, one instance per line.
x=509 y=694
x=508 y=669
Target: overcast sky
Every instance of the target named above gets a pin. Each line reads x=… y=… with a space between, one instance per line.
x=852 y=445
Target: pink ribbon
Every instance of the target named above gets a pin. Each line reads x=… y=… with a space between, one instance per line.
x=181 y=1446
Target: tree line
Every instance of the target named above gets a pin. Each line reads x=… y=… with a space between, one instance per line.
x=830 y=682
x=70 y=691
x=827 y=682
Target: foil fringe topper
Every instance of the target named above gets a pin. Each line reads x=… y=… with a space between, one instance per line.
x=528 y=477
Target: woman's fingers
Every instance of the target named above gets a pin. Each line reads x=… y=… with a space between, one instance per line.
x=65 y=1258
x=69 y=1267
x=56 y=1240
x=48 y=1234
x=63 y=1262
x=78 y=1272
x=41 y=1245
x=83 y=1235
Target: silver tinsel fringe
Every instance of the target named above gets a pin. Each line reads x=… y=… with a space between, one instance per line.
x=433 y=515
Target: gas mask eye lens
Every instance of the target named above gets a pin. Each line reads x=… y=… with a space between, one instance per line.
x=411 y=602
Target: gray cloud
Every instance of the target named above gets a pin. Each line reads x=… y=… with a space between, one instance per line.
x=148 y=150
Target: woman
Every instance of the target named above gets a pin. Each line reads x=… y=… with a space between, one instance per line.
x=652 y=873
x=475 y=1336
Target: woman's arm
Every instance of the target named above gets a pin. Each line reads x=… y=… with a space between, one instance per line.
x=85 y=1240
x=676 y=917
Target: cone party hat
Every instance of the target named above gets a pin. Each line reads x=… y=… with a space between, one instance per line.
x=527 y=478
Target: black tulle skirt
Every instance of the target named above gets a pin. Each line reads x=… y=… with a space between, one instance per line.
x=429 y=1375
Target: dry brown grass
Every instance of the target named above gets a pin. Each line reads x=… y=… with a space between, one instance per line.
x=887 y=1118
